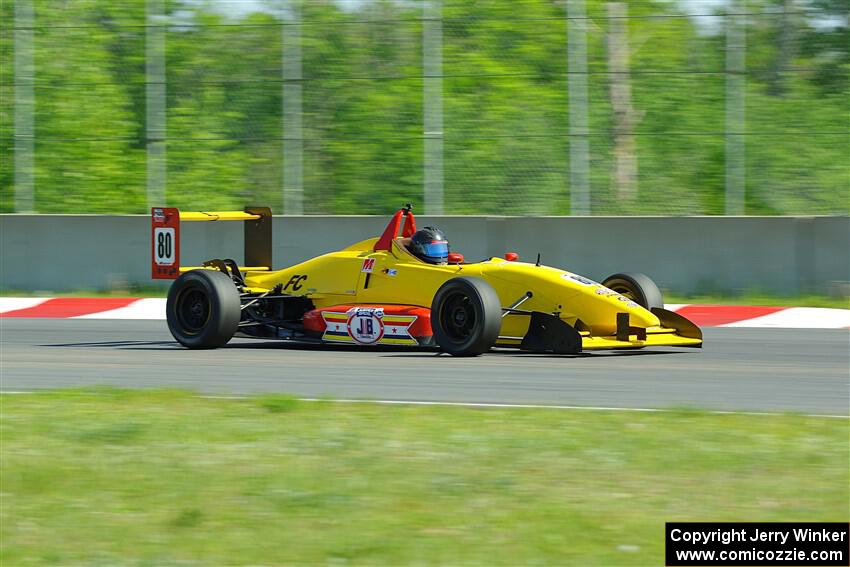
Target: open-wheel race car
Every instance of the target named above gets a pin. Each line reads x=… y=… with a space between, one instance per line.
x=403 y=288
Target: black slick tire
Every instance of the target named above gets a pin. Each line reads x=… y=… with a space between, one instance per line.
x=466 y=316
x=638 y=287
x=203 y=309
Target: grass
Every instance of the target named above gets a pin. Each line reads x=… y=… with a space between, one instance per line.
x=759 y=298
x=113 y=477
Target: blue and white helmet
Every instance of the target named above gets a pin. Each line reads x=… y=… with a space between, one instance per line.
x=430 y=245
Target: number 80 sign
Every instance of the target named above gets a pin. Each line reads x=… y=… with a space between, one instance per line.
x=165 y=243
x=163 y=246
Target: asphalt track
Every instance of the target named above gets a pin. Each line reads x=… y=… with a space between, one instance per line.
x=761 y=370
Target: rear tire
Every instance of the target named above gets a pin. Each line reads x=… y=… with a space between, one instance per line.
x=203 y=309
x=638 y=287
x=466 y=316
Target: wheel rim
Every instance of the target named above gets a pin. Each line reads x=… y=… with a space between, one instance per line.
x=193 y=310
x=458 y=317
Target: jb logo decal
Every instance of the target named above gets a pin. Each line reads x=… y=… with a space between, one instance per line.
x=366 y=326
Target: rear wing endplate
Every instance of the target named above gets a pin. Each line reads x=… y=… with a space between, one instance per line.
x=165 y=238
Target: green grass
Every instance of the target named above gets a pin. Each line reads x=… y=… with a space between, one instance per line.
x=110 y=477
x=757 y=298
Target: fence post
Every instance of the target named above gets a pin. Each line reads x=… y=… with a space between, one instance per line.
x=577 y=90
x=293 y=134
x=432 y=101
x=736 y=47
x=24 y=75
x=155 y=111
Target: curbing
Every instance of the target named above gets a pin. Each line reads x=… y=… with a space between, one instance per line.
x=154 y=309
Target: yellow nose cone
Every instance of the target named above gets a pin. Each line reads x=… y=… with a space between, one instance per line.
x=605 y=321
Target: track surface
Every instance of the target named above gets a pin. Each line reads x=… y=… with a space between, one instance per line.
x=739 y=369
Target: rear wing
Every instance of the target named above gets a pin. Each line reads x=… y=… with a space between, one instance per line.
x=165 y=238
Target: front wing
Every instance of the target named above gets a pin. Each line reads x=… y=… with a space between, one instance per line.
x=548 y=333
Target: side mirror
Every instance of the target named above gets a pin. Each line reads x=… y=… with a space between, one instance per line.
x=511 y=256
x=455 y=258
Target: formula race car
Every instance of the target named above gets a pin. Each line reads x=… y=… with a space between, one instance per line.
x=398 y=289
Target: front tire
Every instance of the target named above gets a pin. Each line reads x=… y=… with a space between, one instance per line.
x=638 y=287
x=203 y=309
x=466 y=316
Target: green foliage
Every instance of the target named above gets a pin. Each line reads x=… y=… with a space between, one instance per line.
x=506 y=109
x=88 y=153
x=6 y=107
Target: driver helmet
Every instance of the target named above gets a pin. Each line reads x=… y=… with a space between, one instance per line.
x=430 y=245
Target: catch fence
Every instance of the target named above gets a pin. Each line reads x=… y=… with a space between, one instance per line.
x=531 y=107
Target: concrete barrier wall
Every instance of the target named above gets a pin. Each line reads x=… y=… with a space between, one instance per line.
x=783 y=255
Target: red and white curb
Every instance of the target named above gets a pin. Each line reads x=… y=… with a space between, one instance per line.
x=82 y=307
x=154 y=308
x=763 y=316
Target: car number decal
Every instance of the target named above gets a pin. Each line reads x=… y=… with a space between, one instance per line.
x=164 y=246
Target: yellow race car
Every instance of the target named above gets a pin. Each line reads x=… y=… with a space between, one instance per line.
x=403 y=288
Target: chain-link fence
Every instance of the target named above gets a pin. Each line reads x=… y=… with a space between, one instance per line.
x=532 y=107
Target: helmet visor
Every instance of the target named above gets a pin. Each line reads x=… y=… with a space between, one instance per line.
x=436 y=250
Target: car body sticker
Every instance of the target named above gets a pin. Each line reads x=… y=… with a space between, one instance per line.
x=368 y=326
x=578 y=279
